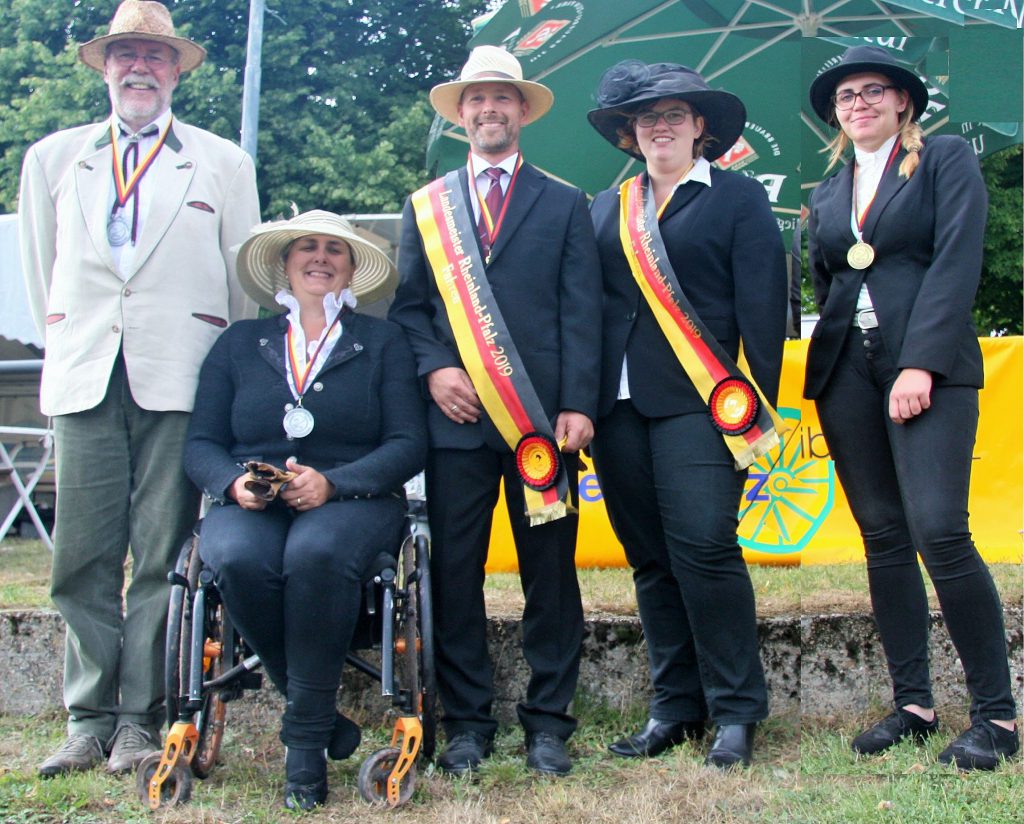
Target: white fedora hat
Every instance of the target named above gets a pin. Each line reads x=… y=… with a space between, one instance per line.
x=490 y=64
x=261 y=258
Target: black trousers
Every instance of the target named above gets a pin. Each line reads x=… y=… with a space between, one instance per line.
x=907 y=486
x=292 y=584
x=462 y=491
x=672 y=493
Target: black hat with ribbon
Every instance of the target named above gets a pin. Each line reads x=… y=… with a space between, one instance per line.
x=627 y=86
x=862 y=60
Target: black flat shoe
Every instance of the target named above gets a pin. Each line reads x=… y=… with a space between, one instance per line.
x=546 y=753
x=891 y=730
x=733 y=744
x=305 y=785
x=464 y=753
x=981 y=746
x=656 y=737
x=344 y=739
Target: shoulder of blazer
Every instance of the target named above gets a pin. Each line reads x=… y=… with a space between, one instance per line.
x=73 y=142
x=942 y=147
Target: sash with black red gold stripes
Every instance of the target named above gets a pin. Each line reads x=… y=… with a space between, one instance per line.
x=444 y=219
x=738 y=409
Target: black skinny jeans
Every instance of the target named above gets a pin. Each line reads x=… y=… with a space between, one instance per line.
x=907 y=486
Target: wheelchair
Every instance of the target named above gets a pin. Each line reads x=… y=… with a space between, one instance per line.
x=209 y=665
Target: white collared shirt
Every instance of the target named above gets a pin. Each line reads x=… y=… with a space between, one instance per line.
x=870 y=167
x=700 y=172
x=481 y=182
x=333 y=305
x=124 y=256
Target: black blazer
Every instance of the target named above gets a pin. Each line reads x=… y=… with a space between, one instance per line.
x=725 y=247
x=546 y=281
x=928 y=234
x=369 y=435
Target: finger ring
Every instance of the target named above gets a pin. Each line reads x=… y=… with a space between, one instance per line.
x=298 y=501
x=455 y=407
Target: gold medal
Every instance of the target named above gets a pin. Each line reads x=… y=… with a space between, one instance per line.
x=861 y=255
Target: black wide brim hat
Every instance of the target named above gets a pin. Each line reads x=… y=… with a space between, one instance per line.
x=860 y=60
x=626 y=86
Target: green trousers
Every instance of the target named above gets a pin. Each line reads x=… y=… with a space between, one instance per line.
x=120 y=486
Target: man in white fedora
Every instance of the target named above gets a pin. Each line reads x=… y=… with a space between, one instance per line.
x=500 y=295
x=126 y=230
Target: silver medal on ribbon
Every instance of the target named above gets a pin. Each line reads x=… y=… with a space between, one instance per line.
x=298 y=422
x=118 y=232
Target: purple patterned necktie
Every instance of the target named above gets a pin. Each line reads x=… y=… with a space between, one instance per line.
x=494 y=198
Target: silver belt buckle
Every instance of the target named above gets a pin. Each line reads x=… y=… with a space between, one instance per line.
x=865 y=319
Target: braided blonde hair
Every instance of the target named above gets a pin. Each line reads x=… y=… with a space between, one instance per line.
x=911 y=137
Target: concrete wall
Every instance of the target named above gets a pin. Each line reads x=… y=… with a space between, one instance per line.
x=818 y=666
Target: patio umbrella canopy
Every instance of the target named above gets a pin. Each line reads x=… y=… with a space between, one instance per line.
x=767 y=54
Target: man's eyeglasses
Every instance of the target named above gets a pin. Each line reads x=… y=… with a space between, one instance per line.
x=674 y=117
x=127 y=59
x=872 y=94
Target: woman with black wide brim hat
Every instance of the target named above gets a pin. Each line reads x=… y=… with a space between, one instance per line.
x=894 y=366
x=693 y=264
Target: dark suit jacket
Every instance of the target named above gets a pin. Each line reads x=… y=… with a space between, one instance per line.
x=927 y=233
x=546 y=281
x=726 y=250
x=369 y=435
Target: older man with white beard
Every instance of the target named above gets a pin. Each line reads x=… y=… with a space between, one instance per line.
x=126 y=235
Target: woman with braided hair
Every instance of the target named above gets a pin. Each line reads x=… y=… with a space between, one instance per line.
x=894 y=366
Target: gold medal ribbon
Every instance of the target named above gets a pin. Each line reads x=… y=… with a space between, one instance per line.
x=298 y=377
x=738 y=409
x=860 y=218
x=444 y=218
x=125 y=188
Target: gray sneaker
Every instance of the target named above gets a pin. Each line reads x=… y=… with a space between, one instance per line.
x=130 y=744
x=78 y=752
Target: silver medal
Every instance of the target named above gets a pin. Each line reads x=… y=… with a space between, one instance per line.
x=117 y=231
x=298 y=422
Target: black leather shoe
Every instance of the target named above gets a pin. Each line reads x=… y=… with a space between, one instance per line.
x=733 y=744
x=656 y=737
x=464 y=753
x=305 y=785
x=981 y=746
x=344 y=739
x=891 y=730
x=546 y=753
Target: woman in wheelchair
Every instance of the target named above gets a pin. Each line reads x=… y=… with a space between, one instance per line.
x=331 y=396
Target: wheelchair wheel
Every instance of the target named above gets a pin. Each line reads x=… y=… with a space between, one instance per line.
x=373 y=777
x=211 y=720
x=177 y=789
x=177 y=619
x=425 y=626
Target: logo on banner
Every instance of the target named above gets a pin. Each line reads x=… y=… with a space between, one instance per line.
x=561 y=18
x=760 y=146
x=738 y=156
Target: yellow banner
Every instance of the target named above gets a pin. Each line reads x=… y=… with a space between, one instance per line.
x=798 y=513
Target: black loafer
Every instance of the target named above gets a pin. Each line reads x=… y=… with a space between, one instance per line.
x=981 y=746
x=891 y=730
x=656 y=737
x=305 y=785
x=546 y=753
x=464 y=753
x=733 y=744
x=345 y=738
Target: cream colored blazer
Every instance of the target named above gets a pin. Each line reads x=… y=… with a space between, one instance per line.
x=181 y=291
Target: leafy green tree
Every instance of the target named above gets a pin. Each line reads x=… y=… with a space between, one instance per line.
x=997 y=309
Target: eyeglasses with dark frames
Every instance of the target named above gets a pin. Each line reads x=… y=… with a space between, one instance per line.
x=870 y=94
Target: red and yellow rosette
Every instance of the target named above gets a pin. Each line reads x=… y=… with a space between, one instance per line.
x=733 y=406
x=538 y=460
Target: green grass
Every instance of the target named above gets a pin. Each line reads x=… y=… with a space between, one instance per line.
x=800 y=776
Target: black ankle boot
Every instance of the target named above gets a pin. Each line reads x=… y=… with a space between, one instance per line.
x=305 y=785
